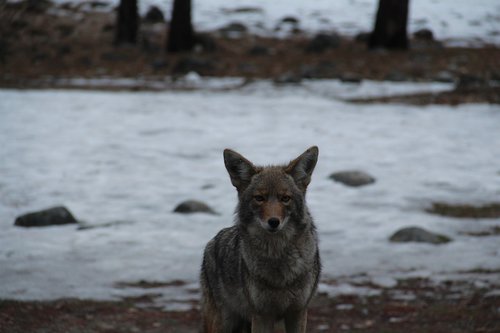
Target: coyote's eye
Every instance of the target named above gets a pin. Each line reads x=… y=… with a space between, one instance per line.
x=285 y=198
x=259 y=198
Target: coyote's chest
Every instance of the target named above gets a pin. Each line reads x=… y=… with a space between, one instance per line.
x=282 y=282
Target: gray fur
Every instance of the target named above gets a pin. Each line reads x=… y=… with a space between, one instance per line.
x=251 y=277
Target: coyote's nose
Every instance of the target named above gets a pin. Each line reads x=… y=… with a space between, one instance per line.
x=273 y=222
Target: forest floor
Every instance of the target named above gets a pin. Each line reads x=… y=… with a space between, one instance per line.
x=413 y=306
x=41 y=43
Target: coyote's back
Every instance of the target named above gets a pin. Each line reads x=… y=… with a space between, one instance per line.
x=266 y=267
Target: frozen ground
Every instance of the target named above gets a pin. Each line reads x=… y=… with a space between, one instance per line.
x=456 y=21
x=131 y=157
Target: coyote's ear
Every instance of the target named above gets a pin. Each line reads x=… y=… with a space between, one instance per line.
x=239 y=168
x=302 y=167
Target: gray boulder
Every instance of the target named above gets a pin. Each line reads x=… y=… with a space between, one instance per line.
x=424 y=34
x=233 y=30
x=416 y=234
x=353 y=178
x=193 y=64
x=193 y=206
x=52 y=216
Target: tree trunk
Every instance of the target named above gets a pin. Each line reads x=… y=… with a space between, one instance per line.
x=390 y=25
x=127 y=22
x=180 y=34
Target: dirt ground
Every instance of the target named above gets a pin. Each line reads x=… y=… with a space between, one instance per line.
x=413 y=306
x=40 y=43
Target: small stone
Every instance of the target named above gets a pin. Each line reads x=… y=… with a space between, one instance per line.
x=52 y=216
x=193 y=64
x=350 y=78
x=353 y=178
x=259 y=50
x=288 y=78
x=290 y=19
x=396 y=76
x=416 y=234
x=445 y=77
x=424 y=34
x=322 y=42
x=233 y=30
x=193 y=206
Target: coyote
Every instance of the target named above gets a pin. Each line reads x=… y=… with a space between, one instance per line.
x=266 y=267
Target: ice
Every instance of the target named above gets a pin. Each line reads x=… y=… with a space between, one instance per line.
x=460 y=22
x=124 y=160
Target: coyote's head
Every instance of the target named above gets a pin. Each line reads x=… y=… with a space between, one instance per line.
x=271 y=197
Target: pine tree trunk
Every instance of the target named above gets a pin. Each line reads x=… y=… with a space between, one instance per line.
x=180 y=34
x=390 y=25
x=127 y=22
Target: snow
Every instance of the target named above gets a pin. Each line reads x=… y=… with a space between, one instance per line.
x=456 y=21
x=130 y=157
x=327 y=88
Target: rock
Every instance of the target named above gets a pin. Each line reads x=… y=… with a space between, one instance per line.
x=52 y=216
x=288 y=24
x=154 y=15
x=396 y=76
x=193 y=206
x=445 y=77
x=323 y=70
x=416 y=234
x=233 y=30
x=469 y=81
x=352 y=178
x=159 y=64
x=193 y=64
x=424 y=34
x=290 y=19
x=205 y=42
x=288 y=78
x=362 y=37
x=322 y=42
x=259 y=50
x=350 y=78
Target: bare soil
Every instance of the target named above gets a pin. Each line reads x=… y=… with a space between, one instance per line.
x=413 y=306
x=40 y=44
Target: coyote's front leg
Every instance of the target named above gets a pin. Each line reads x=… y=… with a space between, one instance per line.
x=296 y=322
x=262 y=325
